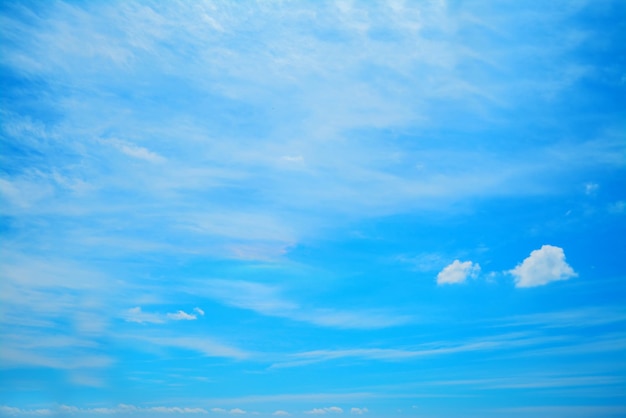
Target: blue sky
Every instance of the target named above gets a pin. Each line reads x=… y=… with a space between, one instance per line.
x=385 y=209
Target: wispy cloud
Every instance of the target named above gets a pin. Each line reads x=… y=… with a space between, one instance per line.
x=136 y=314
x=350 y=178
x=147 y=142
x=496 y=342
x=135 y=151
x=575 y=318
x=268 y=300
x=203 y=345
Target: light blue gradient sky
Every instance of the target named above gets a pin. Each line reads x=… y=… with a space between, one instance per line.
x=387 y=209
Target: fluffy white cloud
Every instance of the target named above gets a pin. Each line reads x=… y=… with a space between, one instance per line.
x=458 y=272
x=543 y=266
x=358 y=411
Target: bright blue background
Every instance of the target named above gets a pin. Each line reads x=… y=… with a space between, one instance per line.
x=236 y=208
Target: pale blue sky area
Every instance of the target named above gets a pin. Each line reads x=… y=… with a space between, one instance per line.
x=313 y=208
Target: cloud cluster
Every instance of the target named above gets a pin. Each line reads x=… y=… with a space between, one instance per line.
x=543 y=266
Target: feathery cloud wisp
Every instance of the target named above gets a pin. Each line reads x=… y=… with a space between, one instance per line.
x=137 y=315
x=267 y=300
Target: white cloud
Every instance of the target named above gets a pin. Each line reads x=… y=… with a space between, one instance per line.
x=458 y=272
x=218 y=410
x=181 y=316
x=293 y=158
x=198 y=311
x=322 y=411
x=281 y=413
x=358 y=411
x=10 y=410
x=543 y=266
x=202 y=345
x=425 y=262
x=495 y=342
x=136 y=314
x=136 y=151
x=236 y=411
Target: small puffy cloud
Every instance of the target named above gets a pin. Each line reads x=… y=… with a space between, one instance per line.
x=543 y=266
x=458 y=272
x=321 y=411
x=281 y=413
x=358 y=411
x=236 y=411
x=181 y=316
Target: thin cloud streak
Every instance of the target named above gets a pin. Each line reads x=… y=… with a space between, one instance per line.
x=267 y=300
